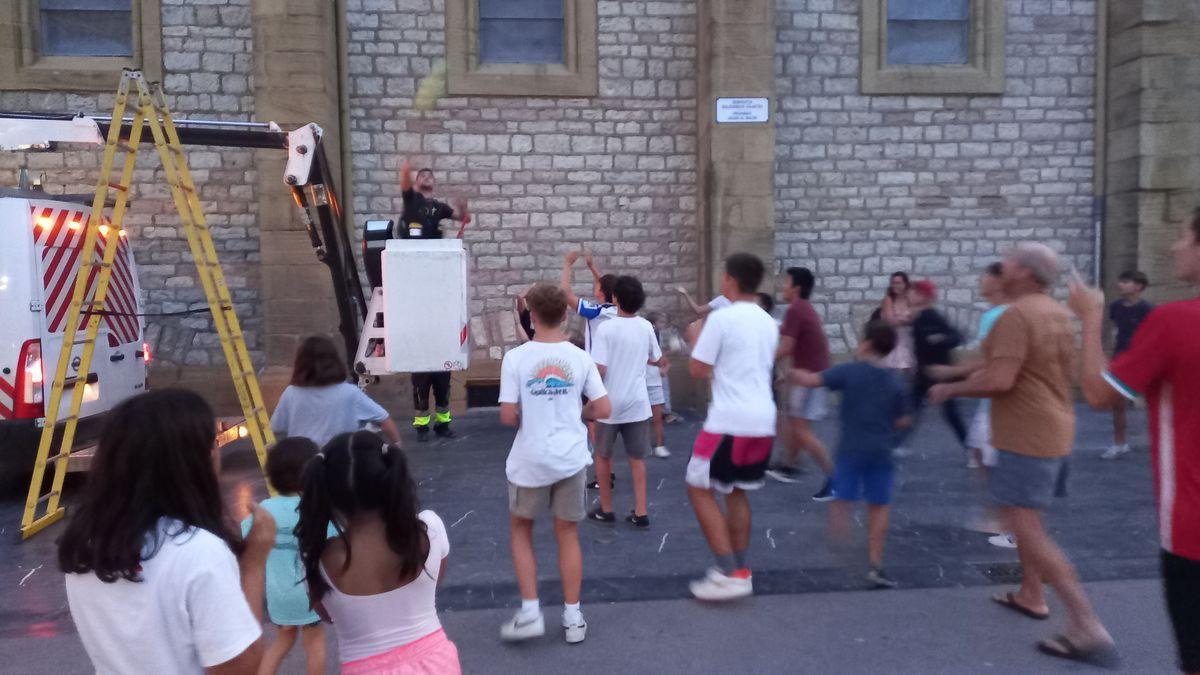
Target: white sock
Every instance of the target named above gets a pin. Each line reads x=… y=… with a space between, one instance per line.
x=572 y=614
x=530 y=608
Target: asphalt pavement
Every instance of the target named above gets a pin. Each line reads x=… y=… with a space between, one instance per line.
x=812 y=609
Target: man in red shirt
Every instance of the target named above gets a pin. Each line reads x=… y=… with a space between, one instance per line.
x=802 y=338
x=1162 y=364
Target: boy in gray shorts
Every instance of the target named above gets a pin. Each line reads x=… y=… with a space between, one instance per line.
x=542 y=383
x=622 y=348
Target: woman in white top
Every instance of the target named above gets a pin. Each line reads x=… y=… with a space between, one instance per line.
x=377 y=580
x=896 y=312
x=157 y=580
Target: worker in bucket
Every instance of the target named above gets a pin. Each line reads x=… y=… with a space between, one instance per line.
x=422 y=219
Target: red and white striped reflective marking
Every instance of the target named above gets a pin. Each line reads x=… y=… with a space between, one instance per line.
x=8 y=398
x=61 y=232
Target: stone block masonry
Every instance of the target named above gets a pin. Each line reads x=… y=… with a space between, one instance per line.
x=206 y=54
x=615 y=173
x=937 y=186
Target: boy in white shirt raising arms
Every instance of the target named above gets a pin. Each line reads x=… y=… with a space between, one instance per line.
x=622 y=348
x=542 y=383
x=736 y=350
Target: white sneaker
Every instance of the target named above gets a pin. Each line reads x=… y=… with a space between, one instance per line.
x=517 y=629
x=662 y=451
x=1003 y=541
x=575 y=633
x=972 y=463
x=1115 y=451
x=717 y=587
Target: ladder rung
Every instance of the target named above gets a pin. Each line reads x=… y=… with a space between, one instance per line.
x=124 y=147
x=48 y=496
x=118 y=186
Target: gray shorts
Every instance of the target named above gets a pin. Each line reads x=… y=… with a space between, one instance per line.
x=1026 y=482
x=807 y=403
x=657 y=396
x=564 y=499
x=635 y=434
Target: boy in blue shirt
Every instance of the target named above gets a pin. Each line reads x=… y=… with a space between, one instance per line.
x=872 y=410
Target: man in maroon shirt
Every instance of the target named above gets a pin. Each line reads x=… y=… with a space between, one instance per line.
x=802 y=338
x=1162 y=364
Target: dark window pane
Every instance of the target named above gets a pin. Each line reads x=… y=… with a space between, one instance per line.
x=927 y=42
x=521 y=40
x=933 y=10
x=93 y=5
x=520 y=9
x=87 y=33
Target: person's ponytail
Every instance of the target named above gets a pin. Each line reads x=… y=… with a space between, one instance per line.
x=316 y=513
x=406 y=533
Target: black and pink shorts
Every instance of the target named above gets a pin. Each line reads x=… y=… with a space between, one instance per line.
x=725 y=463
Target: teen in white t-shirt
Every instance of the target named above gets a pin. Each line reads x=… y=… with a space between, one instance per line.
x=542 y=384
x=739 y=343
x=736 y=350
x=152 y=592
x=622 y=349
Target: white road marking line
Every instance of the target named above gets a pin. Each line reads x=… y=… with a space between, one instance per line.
x=464 y=517
x=770 y=538
x=660 y=483
x=663 y=542
x=26 y=577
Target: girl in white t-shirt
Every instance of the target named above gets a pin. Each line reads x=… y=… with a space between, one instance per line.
x=157 y=580
x=376 y=581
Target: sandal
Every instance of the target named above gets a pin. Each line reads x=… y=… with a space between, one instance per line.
x=1009 y=600
x=1059 y=646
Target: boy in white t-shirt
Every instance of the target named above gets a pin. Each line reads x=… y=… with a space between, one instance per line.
x=622 y=349
x=542 y=384
x=736 y=350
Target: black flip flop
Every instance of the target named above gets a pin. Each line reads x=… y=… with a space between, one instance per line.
x=1009 y=600
x=1059 y=646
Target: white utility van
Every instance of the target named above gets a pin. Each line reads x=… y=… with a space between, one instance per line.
x=41 y=239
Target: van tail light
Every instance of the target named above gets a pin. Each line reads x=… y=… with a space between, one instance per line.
x=145 y=353
x=30 y=377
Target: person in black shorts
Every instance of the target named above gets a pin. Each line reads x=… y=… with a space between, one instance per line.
x=422 y=219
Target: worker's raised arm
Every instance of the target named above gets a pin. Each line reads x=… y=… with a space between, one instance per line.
x=406 y=180
x=565 y=281
x=461 y=214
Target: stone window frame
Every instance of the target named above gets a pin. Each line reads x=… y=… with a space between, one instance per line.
x=21 y=67
x=983 y=74
x=579 y=76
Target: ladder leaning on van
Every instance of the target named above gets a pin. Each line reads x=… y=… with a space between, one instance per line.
x=307 y=173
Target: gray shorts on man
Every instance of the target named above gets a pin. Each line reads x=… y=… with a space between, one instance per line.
x=635 y=434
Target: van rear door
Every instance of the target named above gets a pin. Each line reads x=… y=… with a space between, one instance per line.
x=59 y=238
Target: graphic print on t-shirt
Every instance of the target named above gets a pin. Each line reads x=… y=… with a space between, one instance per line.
x=552 y=378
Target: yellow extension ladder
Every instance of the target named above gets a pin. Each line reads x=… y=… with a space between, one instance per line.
x=150 y=109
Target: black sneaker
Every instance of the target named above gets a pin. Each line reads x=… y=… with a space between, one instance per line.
x=640 y=522
x=880 y=579
x=601 y=516
x=422 y=434
x=825 y=494
x=785 y=474
x=443 y=430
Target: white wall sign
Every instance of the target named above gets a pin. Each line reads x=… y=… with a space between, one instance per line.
x=742 y=110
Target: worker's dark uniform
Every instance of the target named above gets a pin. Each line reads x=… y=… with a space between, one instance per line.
x=422 y=220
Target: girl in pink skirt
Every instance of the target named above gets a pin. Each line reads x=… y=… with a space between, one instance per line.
x=376 y=581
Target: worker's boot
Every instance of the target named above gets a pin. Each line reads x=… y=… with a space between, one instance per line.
x=422 y=433
x=441 y=423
